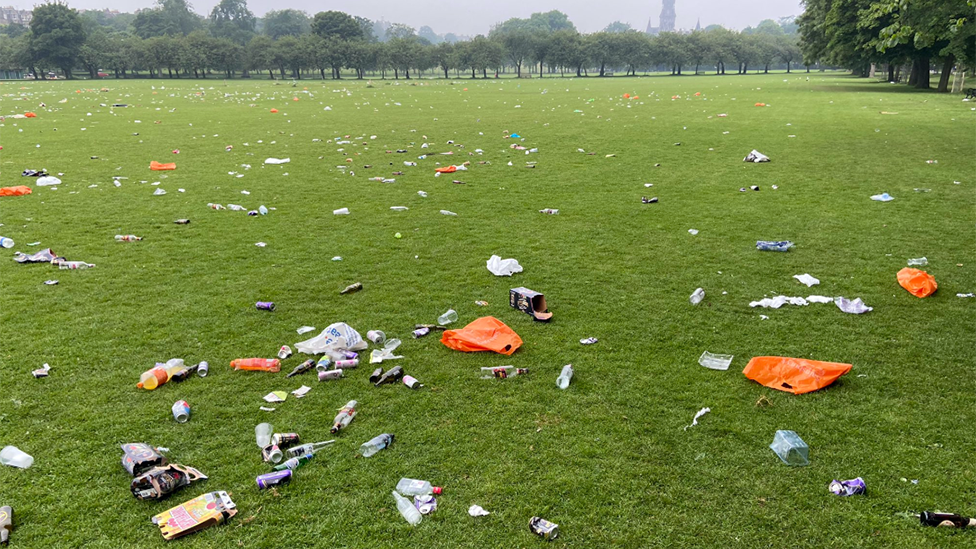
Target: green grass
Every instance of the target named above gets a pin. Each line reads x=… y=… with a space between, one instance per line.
x=606 y=459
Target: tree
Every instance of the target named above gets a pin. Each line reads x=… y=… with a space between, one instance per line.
x=635 y=49
x=278 y=23
x=550 y=21
x=232 y=20
x=338 y=24
x=445 y=55
x=57 y=35
x=260 y=55
x=720 y=44
x=617 y=26
x=94 y=53
x=673 y=50
x=518 y=45
x=399 y=30
x=366 y=27
x=567 y=50
x=429 y=34
x=697 y=47
x=789 y=49
x=600 y=49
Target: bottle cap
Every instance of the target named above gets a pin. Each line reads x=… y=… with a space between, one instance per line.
x=438 y=490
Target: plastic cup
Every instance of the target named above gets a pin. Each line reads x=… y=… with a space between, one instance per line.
x=6 y=242
x=341 y=211
x=263 y=434
x=448 y=317
x=14 y=457
x=565 y=377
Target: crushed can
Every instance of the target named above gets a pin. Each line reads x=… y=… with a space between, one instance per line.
x=851 y=487
x=159 y=482
x=6 y=524
x=284 y=352
x=276 y=478
x=426 y=504
x=181 y=411
x=420 y=332
x=543 y=528
x=139 y=457
x=272 y=454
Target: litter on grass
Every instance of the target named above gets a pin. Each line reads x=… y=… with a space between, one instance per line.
x=694 y=420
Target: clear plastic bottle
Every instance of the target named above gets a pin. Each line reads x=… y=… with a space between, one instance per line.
x=156 y=376
x=376 y=444
x=412 y=487
x=565 y=377
x=407 y=509
x=75 y=265
x=306 y=449
x=344 y=417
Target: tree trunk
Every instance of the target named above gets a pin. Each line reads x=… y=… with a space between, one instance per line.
x=484 y=72
x=518 y=70
x=913 y=76
x=540 y=69
x=445 y=73
x=946 y=71
x=766 y=70
x=787 y=67
x=891 y=72
x=578 y=68
x=91 y=72
x=603 y=69
x=924 y=74
x=697 y=63
x=396 y=73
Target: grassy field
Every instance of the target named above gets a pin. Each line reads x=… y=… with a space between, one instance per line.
x=607 y=459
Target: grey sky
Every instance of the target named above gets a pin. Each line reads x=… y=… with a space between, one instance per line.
x=476 y=17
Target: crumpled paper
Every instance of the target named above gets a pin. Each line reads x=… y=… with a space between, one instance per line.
x=854 y=307
x=277 y=160
x=780 y=300
x=756 y=156
x=503 y=267
x=700 y=413
x=883 y=197
x=336 y=336
x=807 y=279
x=477 y=511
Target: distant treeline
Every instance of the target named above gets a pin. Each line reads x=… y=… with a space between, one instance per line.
x=170 y=41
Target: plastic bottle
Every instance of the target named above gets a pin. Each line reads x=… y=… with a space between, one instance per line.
x=565 y=377
x=310 y=448
x=376 y=444
x=411 y=487
x=6 y=242
x=158 y=375
x=407 y=510
x=919 y=262
x=127 y=238
x=344 y=417
x=75 y=265
x=263 y=210
x=294 y=462
x=257 y=364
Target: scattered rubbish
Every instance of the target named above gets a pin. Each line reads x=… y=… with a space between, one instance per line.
x=43 y=371
x=420 y=332
x=543 y=528
x=257 y=364
x=341 y=211
x=330 y=375
x=692 y=232
x=755 y=156
x=918 y=283
x=484 y=334
x=354 y=287
x=127 y=238
x=851 y=487
x=794 y=375
x=481 y=303
x=277 y=160
x=426 y=504
x=71 y=265
x=966 y=295
x=919 y=262
x=160 y=374
x=948 y=520
x=503 y=267
x=182 y=222
x=392 y=375
x=407 y=510
x=344 y=417
x=301 y=391
x=19 y=190
x=477 y=511
x=446 y=212
x=138 y=457
x=855 y=307
x=47 y=181
x=694 y=420
x=445 y=319
x=161 y=481
x=715 y=361
x=275 y=396
x=158 y=167
x=284 y=352
x=646 y=200
x=697 y=296
x=773 y=245
x=411 y=487
x=807 y=280
x=181 y=411
x=6 y=242
x=6 y=524
x=883 y=197
x=549 y=211
x=565 y=376
x=197 y=514
x=264 y=306
x=502 y=372
x=530 y=302
x=376 y=336
x=159 y=192
x=12 y=456
x=277 y=478
x=791 y=449
x=376 y=444
x=589 y=341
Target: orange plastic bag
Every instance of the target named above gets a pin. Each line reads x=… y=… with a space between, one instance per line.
x=157 y=167
x=30 y=115
x=19 y=190
x=918 y=283
x=485 y=334
x=446 y=169
x=794 y=375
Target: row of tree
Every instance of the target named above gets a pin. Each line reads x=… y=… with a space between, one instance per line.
x=170 y=40
x=858 y=33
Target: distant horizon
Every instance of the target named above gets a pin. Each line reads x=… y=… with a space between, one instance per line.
x=444 y=16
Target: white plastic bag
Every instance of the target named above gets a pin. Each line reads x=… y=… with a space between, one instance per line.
x=47 y=180
x=277 y=160
x=337 y=336
x=503 y=267
x=756 y=156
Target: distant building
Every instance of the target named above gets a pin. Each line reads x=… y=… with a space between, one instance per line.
x=12 y=16
x=667 y=19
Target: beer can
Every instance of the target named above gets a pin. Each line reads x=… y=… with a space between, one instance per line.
x=342 y=364
x=376 y=336
x=285 y=350
x=285 y=440
x=348 y=355
x=268 y=480
x=265 y=305
x=203 y=369
x=271 y=453
x=181 y=411
x=376 y=375
x=420 y=332
x=412 y=382
x=543 y=528
x=330 y=374
x=323 y=364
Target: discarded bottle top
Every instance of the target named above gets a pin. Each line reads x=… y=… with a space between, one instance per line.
x=448 y=317
x=407 y=510
x=930 y=518
x=273 y=479
x=181 y=411
x=355 y=287
x=790 y=448
x=329 y=375
x=412 y=382
x=773 y=245
x=543 y=528
x=262 y=433
x=919 y=262
x=697 y=296
x=257 y=364
x=391 y=376
x=376 y=444
x=303 y=367
x=714 y=361
x=310 y=448
x=847 y=487
x=14 y=457
x=344 y=417
x=565 y=377
x=411 y=487
x=6 y=524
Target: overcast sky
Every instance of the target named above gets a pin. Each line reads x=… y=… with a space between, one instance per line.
x=469 y=17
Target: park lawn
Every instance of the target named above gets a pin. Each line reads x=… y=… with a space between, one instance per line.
x=608 y=459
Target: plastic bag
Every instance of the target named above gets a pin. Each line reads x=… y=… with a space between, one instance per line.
x=19 y=190
x=336 y=336
x=794 y=375
x=503 y=267
x=157 y=167
x=918 y=283
x=755 y=156
x=47 y=180
x=485 y=334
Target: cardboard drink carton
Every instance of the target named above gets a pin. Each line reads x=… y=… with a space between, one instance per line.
x=197 y=514
x=530 y=302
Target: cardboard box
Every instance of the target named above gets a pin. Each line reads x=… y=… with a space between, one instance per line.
x=530 y=302
x=195 y=515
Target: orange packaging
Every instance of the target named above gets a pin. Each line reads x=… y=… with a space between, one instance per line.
x=158 y=167
x=918 y=283
x=446 y=169
x=257 y=364
x=195 y=515
x=19 y=190
x=794 y=375
x=484 y=334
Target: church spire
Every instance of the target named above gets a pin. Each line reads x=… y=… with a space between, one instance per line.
x=698 y=24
